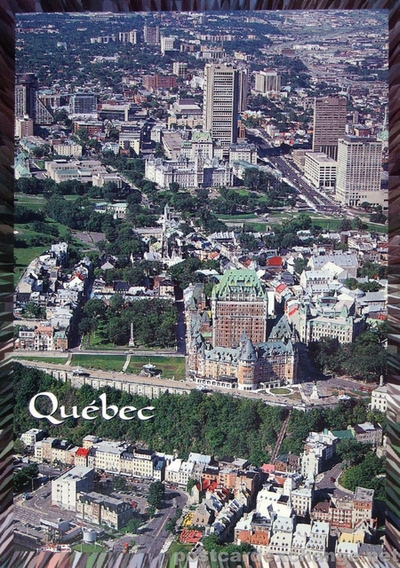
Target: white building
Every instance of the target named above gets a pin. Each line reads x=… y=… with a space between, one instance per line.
x=243 y=151
x=320 y=170
x=64 y=490
x=167 y=44
x=359 y=164
x=267 y=82
x=23 y=127
x=82 y=170
x=172 y=471
x=31 y=436
x=379 y=398
x=68 y=149
x=128 y=37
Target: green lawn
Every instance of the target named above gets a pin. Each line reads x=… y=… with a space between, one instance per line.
x=257 y=227
x=52 y=360
x=172 y=555
x=23 y=256
x=88 y=548
x=284 y=391
x=237 y=217
x=170 y=366
x=101 y=362
x=32 y=202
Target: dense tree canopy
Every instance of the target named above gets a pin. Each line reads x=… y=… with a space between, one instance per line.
x=214 y=424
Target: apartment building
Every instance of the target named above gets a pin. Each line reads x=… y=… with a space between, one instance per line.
x=64 y=489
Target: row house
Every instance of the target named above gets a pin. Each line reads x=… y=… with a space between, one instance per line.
x=226 y=519
x=254 y=529
x=106 y=456
x=287 y=463
x=51 y=450
x=347 y=512
x=282 y=534
x=319 y=449
x=42 y=338
x=31 y=436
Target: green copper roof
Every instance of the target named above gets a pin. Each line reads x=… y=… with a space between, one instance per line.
x=235 y=284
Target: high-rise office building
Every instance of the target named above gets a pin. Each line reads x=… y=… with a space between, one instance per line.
x=128 y=37
x=151 y=35
x=167 y=44
x=267 y=82
x=83 y=103
x=223 y=96
x=359 y=170
x=329 y=124
x=243 y=89
x=179 y=68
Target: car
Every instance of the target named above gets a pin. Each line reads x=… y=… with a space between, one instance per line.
x=332 y=479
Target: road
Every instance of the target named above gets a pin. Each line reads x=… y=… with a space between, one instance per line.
x=318 y=200
x=153 y=535
x=181 y=328
x=328 y=487
x=325 y=386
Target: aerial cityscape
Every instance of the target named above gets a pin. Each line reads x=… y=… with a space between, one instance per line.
x=200 y=306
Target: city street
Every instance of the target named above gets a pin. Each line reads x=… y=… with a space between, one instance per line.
x=153 y=535
x=328 y=487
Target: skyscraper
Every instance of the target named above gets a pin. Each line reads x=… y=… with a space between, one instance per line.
x=151 y=35
x=359 y=170
x=27 y=101
x=267 y=82
x=329 y=124
x=222 y=94
x=25 y=96
x=83 y=103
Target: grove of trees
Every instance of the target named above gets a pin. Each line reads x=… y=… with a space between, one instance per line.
x=217 y=424
x=153 y=321
x=365 y=358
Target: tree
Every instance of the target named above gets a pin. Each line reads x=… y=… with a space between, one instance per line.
x=300 y=265
x=25 y=475
x=133 y=525
x=151 y=511
x=159 y=151
x=95 y=308
x=156 y=494
x=40 y=151
x=345 y=225
x=191 y=483
x=86 y=326
x=174 y=186
x=352 y=452
x=19 y=446
x=378 y=218
x=211 y=543
x=119 y=483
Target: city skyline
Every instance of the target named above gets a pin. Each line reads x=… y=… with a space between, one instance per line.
x=245 y=155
